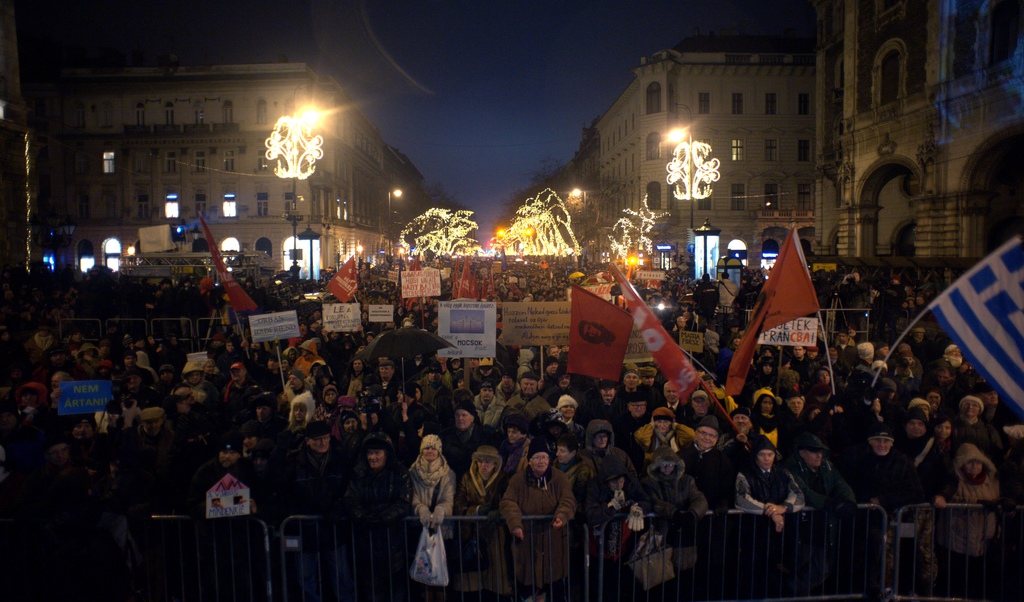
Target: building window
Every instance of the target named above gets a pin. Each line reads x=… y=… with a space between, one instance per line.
x=771 y=196
x=654 y=195
x=141 y=161
x=737 y=103
x=140 y=114
x=83 y=206
x=169 y=113
x=108 y=162
x=803 y=150
x=109 y=205
x=200 y=113
x=261 y=111
x=289 y=202
x=228 y=110
x=142 y=206
x=108 y=114
x=230 y=209
x=704 y=204
x=653 y=146
x=200 y=160
x=229 y=160
x=771 y=149
x=703 y=103
x=803 y=104
x=1005 y=25
x=890 y=78
x=737 y=149
x=171 y=206
x=653 y=98
x=771 y=104
x=738 y=198
x=803 y=197
x=200 y=204
x=262 y=204
x=78 y=115
x=81 y=163
x=171 y=162
x=261 y=162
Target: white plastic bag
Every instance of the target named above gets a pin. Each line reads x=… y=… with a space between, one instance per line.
x=429 y=565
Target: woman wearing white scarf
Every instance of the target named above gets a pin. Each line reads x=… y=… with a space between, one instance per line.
x=433 y=484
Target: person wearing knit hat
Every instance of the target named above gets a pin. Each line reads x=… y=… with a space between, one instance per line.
x=433 y=484
x=463 y=437
x=866 y=352
x=970 y=428
x=661 y=431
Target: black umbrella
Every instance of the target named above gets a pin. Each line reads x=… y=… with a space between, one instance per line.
x=403 y=343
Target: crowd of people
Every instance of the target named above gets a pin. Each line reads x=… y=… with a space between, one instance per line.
x=314 y=427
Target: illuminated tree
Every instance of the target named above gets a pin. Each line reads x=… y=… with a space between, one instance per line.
x=542 y=226
x=441 y=232
x=630 y=232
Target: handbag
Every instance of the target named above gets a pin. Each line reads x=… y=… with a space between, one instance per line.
x=429 y=565
x=651 y=561
x=468 y=556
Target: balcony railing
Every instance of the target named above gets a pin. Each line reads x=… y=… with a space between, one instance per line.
x=197 y=128
x=136 y=130
x=166 y=129
x=790 y=214
x=225 y=127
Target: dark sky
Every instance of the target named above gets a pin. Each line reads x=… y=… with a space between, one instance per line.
x=478 y=93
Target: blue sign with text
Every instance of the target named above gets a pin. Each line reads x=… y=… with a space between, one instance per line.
x=84 y=396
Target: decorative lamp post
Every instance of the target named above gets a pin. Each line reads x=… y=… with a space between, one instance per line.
x=52 y=233
x=692 y=170
x=706 y=251
x=397 y=193
x=296 y=150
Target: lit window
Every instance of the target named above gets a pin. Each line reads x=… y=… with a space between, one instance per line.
x=737 y=149
x=171 y=206
x=230 y=209
x=108 y=161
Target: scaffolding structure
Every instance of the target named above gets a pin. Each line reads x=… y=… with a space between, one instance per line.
x=196 y=265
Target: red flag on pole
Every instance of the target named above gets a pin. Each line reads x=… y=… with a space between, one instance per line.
x=239 y=300
x=345 y=282
x=598 y=337
x=788 y=294
x=474 y=284
x=667 y=354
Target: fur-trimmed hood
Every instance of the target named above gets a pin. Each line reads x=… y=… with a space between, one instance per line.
x=595 y=427
x=665 y=455
x=968 y=452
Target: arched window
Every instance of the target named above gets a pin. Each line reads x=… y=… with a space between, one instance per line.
x=738 y=249
x=889 y=78
x=230 y=244
x=653 y=98
x=112 y=253
x=169 y=113
x=906 y=239
x=1005 y=23
x=261 y=111
x=264 y=244
x=86 y=260
x=653 y=146
x=654 y=195
x=140 y=114
x=228 y=108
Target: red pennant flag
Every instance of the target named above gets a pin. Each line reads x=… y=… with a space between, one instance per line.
x=667 y=354
x=598 y=337
x=237 y=297
x=788 y=294
x=345 y=282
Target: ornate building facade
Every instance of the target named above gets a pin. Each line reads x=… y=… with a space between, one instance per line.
x=16 y=196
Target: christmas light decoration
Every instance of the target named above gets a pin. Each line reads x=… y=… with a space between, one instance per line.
x=630 y=232
x=294 y=147
x=542 y=226
x=441 y=232
x=692 y=170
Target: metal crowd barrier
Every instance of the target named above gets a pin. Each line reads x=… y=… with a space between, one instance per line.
x=92 y=329
x=137 y=327
x=960 y=552
x=180 y=327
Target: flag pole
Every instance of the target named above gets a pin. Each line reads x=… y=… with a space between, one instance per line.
x=828 y=358
x=892 y=348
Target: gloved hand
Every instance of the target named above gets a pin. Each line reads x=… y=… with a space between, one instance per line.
x=721 y=512
x=686 y=521
x=618 y=500
x=494 y=516
x=424 y=516
x=437 y=517
x=845 y=510
x=483 y=509
x=635 y=521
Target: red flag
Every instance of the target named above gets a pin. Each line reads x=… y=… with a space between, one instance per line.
x=474 y=284
x=598 y=336
x=788 y=294
x=415 y=266
x=239 y=300
x=667 y=354
x=345 y=282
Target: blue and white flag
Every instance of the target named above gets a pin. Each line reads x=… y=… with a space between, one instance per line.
x=983 y=312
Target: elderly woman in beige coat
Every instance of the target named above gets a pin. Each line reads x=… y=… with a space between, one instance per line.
x=433 y=493
x=478 y=494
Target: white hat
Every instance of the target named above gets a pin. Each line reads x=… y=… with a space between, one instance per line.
x=566 y=400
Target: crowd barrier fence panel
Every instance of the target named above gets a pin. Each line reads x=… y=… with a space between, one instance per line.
x=182 y=327
x=137 y=327
x=92 y=328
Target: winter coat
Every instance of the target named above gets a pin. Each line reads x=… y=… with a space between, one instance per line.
x=595 y=458
x=891 y=478
x=309 y=490
x=473 y=497
x=375 y=500
x=673 y=492
x=679 y=439
x=823 y=490
x=459 y=453
x=755 y=488
x=714 y=474
x=423 y=497
x=969 y=531
x=981 y=434
x=540 y=558
x=599 y=494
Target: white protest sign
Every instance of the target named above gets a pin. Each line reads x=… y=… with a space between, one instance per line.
x=470 y=326
x=382 y=313
x=267 y=327
x=798 y=332
x=198 y=356
x=229 y=497
x=342 y=317
x=422 y=283
x=649 y=275
x=393 y=276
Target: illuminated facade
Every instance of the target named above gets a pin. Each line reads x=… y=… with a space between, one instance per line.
x=921 y=133
x=133 y=147
x=15 y=191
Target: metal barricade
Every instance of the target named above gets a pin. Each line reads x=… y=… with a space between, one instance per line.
x=962 y=551
x=136 y=327
x=179 y=327
x=91 y=328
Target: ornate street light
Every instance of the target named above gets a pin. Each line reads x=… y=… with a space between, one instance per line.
x=52 y=233
x=692 y=170
x=294 y=147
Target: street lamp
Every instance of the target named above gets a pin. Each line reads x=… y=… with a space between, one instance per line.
x=52 y=233
x=397 y=193
x=692 y=170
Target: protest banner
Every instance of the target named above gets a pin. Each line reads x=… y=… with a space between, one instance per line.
x=637 y=351
x=228 y=497
x=381 y=313
x=84 y=396
x=267 y=327
x=649 y=275
x=798 y=332
x=393 y=277
x=469 y=325
x=536 y=323
x=691 y=341
x=421 y=283
x=198 y=356
x=342 y=317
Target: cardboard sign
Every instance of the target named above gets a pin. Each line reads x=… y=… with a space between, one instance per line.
x=798 y=332
x=84 y=396
x=536 y=323
x=495 y=267
x=267 y=327
x=342 y=317
x=470 y=326
x=229 y=497
x=393 y=277
x=691 y=341
x=382 y=313
x=422 y=283
x=198 y=356
x=637 y=351
x=649 y=275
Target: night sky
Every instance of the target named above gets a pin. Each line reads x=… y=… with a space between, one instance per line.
x=478 y=93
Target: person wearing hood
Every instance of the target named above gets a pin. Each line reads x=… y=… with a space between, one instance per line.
x=676 y=499
x=662 y=431
x=763 y=414
x=433 y=494
x=599 y=444
x=540 y=552
x=378 y=499
x=765 y=488
x=478 y=493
